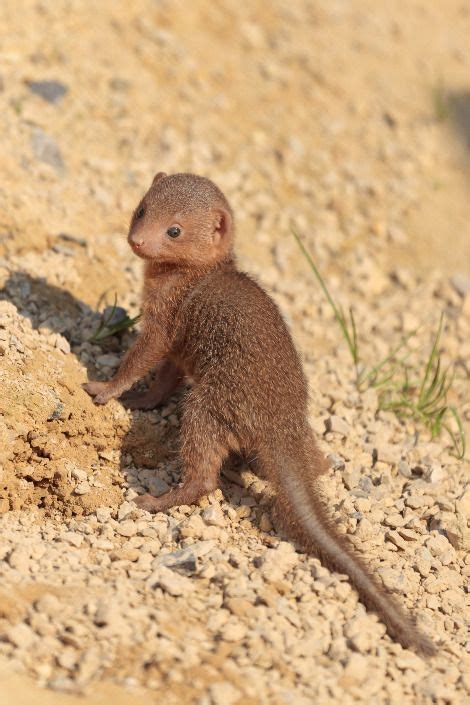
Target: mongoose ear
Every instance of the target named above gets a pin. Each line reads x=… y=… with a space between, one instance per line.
x=157 y=177
x=222 y=224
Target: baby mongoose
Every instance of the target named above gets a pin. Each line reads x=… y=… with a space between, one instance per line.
x=204 y=319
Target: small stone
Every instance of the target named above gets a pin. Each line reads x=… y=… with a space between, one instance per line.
x=50 y=605
x=114 y=314
x=461 y=283
x=57 y=412
x=78 y=474
x=213 y=516
x=157 y=486
x=434 y=584
x=185 y=558
x=21 y=636
x=89 y=664
x=105 y=614
x=103 y=514
x=62 y=344
x=336 y=461
x=127 y=529
x=83 y=488
x=394 y=520
x=389 y=454
x=50 y=91
x=440 y=547
x=359 y=634
x=46 y=149
x=108 y=360
x=394 y=579
x=233 y=631
x=423 y=561
x=125 y=509
x=238 y=606
x=356 y=671
x=404 y=469
x=415 y=502
x=351 y=477
x=335 y=424
x=395 y=538
x=67 y=658
x=73 y=538
x=408 y=534
x=172 y=583
x=365 y=529
x=20 y=559
x=223 y=693
x=125 y=554
x=436 y=473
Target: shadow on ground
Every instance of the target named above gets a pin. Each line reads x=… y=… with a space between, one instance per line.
x=459 y=112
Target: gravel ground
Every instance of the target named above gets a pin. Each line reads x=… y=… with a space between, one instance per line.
x=321 y=115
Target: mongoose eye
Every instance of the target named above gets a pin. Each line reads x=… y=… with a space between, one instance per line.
x=174 y=231
x=140 y=212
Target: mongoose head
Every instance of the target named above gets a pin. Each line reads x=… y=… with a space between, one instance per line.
x=183 y=220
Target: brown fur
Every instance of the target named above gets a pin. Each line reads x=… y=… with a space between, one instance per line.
x=204 y=319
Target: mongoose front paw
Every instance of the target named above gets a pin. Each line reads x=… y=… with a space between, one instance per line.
x=100 y=391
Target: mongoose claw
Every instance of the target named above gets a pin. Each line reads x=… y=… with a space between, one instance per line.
x=100 y=391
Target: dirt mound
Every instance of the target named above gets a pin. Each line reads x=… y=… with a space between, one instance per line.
x=58 y=450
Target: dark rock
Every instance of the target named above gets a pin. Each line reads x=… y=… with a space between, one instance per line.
x=114 y=315
x=51 y=91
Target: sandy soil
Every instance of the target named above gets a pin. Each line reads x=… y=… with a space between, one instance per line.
x=347 y=121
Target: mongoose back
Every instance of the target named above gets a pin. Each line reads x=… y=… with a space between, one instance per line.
x=204 y=319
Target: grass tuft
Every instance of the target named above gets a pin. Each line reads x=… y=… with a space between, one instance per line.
x=400 y=389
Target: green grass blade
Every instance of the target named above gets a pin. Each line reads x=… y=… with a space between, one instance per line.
x=458 y=438
x=431 y=357
x=350 y=338
x=391 y=355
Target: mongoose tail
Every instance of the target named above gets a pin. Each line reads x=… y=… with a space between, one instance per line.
x=302 y=493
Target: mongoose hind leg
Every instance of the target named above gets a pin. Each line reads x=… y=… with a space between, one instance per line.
x=204 y=447
x=167 y=379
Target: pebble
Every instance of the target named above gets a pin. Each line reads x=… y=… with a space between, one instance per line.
x=126 y=529
x=213 y=516
x=83 y=488
x=46 y=149
x=108 y=360
x=50 y=91
x=49 y=604
x=185 y=558
x=461 y=283
x=224 y=693
x=22 y=636
x=355 y=672
x=335 y=424
x=103 y=514
x=78 y=474
x=233 y=631
x=171 y=582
